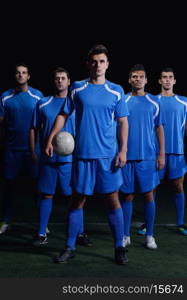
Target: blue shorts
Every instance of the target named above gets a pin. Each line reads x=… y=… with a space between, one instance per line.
x=175 y=167
x=15 y=161
x=96 y=176
x=139 y=177
x=51 y=174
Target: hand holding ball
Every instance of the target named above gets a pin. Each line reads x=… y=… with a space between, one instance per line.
x=63 y=143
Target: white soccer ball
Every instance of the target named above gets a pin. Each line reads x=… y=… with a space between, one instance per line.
x=63 y=143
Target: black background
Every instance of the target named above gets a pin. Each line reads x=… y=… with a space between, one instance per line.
x=55 y=35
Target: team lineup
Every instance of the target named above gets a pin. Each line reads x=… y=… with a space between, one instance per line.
x=125 y=145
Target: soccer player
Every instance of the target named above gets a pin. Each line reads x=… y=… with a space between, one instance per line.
x=140 y=174
x=55 y=168
x=174 y=109
x=99 y=104
x=16 y=109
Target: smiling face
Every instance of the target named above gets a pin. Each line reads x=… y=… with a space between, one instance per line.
x=138 y=80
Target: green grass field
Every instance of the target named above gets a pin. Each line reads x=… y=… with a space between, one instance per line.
x=18 y=259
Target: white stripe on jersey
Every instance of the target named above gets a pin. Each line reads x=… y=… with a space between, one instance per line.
x=181 y=101
x=185 y=104
x=78 y=90
x=46 y=103
x=112 y=91
x=6 y=98
x=153 y=102
x=128 y=98
x=32 y=95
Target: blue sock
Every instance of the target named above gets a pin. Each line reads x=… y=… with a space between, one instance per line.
x=149 y=210
x=115 y=219
x=127 y=207
x=45 y=212
x=74 y=225
x=179 y=203
x=82 y=221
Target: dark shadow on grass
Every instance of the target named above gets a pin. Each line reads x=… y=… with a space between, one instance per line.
x=96 y=255
x=14 y=247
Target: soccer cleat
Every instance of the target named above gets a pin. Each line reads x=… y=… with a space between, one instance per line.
x=47 y=230
x=142 y=230
x=83 y=240
x=182 y=229
x=64 y=256
x=120 y=256
x=126 y=241
x=40 y=240
x=150 y=242
x=4 y=227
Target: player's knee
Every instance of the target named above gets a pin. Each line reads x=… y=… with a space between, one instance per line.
x=178 y=188
x=47 y=196
x=78 y=201
x=128 y=197
x=112 y=200
x=149 y=196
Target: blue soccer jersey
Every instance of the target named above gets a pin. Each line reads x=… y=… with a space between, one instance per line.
x=43 y=119
x=174 y=110
x=144 y=117
x=17 y=108
x=97 y=108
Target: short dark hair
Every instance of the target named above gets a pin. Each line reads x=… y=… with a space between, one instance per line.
x=21 y=64
x=137 y=67
x=60 y=70
x=167 y=69
x=97 y=49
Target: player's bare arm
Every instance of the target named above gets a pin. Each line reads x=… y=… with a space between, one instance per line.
x=58 y=125
x=123 y=137
x=32 y=139
x=161 y=141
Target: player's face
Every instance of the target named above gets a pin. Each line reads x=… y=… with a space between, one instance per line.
x=98 y=65
x=61 y=81
x=138 y=80
x=167 y=80
x=22 y=75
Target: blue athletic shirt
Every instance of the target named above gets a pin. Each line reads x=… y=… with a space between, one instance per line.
x=17 y=108
x=43 y=119
x=144 y=117
x=97 y=108
x=174 y=110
